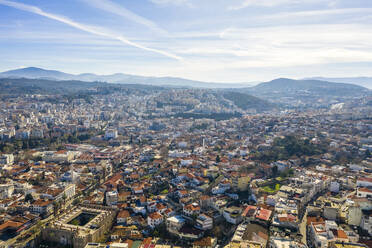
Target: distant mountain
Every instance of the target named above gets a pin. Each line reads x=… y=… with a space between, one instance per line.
x=306 y=93
x=34 y=72
x=361 y=81
x=120 y=78
x=11 y=86
x=285 y=86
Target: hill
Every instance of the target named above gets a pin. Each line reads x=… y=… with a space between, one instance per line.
x=196 y=103
x=361 y=81
x=119 y=78
x=313 y=93
x=246 y=102
x=13 y=86
x=285 y=85
x=34 y=72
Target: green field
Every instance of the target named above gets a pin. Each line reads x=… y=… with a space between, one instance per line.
x=271 y=188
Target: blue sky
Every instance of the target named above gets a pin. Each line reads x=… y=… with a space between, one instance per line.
x=209 y=40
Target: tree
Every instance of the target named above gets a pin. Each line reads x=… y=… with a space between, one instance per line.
x=160 y=231
x=38 y=158
x=368 y=153
x=218 y=159
x=104 y=203
x=56 y=207
x=274 y=170
x=64 y=197
x=29 y=198
x=76 y=201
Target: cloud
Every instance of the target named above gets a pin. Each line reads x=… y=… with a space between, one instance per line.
x=273 y=3
x=119 y=10
x=86 y=28
x=173 y=2
x=265 y=3
x=312 y=13
x=285 y=46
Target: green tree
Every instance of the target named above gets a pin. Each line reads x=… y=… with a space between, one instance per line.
x=368 y=153
x=274 y=170
x=218 y=159
x=29 y=198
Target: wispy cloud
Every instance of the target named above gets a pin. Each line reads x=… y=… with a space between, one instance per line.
x=273 y=3
x=265 y=3
x=173 y=2
x=312 y=13
x=86 y=28
x=286 y=46
x=119 y=10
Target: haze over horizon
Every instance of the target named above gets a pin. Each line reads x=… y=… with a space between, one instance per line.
x=227 y=41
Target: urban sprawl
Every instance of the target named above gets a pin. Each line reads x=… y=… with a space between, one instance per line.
x=125 y=171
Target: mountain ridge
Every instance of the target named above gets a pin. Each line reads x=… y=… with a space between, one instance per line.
x=119 y=78
x=309 y=93
x=303 y=84
x=362 y=81
x=280 y=90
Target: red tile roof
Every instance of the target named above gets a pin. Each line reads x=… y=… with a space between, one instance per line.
x=155 y=216
x=263 y=214
x=249 y=211
x=365 y=190
x=365 y=179
x=123 y=214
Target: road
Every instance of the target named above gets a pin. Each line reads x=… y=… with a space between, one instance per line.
x=303 y=228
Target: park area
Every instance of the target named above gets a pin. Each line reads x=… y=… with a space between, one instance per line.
x=272 y=188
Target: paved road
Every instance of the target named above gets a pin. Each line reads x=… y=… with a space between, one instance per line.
x=303 y=228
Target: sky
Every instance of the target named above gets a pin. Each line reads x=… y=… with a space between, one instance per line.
x=207 y=40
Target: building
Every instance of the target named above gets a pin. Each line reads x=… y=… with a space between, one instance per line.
x=206 y=242
x=366 y=222
x=6 y=159
x=112 y=245
x=191 y=209
x=233 y=215
x=122 y=217
x=6 y=190
x=364 y=182
x=111 y=134
x=37 y=133
x=154 y=219
x=278 y=242
x=346 y=245
x=322 y=233
x=82 y=225
x=70 y=176
x=174 y=224
x=244 y=244
x=59 y=192
x=364 y=193
x=42 y=206
x=111 y=198
x=58 y=156
x=334 y=187
x=204 y=222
